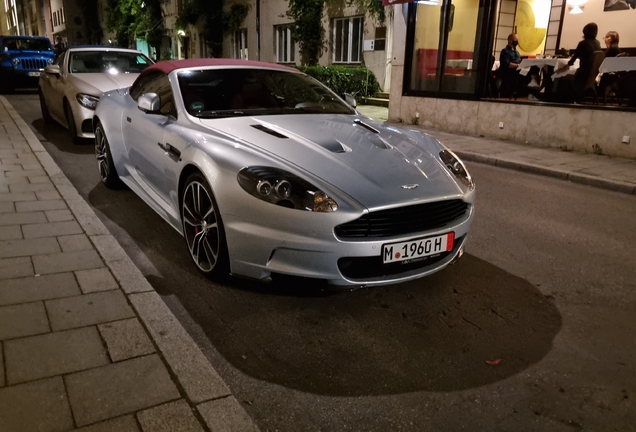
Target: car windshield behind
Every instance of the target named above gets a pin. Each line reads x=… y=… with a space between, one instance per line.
x=214 y=93
x=113 y=62
x=12 y=44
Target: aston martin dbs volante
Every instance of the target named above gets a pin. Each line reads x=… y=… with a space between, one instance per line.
x=70 y=88
x=267 y=172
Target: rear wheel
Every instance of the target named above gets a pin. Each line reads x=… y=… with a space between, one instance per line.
x=70 y=120
x=45 y=110
x=203 y=228
x=105 y=164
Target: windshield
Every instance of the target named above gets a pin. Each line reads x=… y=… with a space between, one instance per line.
x=11 y=44
x=215 y=93
x=113 y=62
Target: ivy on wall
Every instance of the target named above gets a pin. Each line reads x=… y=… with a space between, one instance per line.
x=216 y=22
x=132 y=19
x=308 y=30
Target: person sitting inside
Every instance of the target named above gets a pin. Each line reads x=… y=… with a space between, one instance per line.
x=509 y=60
x=609 y=81
x=585 y=53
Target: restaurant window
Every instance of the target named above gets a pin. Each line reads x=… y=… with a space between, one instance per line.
x=240 y=44
x=347 y=40
x=285 y=46
x=448 y=41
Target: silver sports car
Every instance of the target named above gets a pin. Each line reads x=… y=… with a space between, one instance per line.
x=70 y=88
x=267 y=172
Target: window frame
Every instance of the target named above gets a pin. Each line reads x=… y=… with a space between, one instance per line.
x=289 y=54
x=239 y=44
x=349 y=21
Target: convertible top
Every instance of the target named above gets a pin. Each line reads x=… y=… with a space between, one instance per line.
x=168 y=66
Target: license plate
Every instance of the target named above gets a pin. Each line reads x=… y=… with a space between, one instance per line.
x=34 y=73
x=418 y=248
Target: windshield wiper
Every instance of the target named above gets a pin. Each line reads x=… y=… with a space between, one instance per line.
x=220 y=114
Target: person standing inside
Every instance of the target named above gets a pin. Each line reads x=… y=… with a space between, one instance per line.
x=509 y=60
x=585 y=53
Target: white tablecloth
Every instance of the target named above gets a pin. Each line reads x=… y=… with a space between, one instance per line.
x=618 y=64
x=460 y=63
x=556 y=63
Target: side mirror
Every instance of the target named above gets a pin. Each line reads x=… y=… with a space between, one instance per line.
x=52 y=69
x=350 y=100
x=149 y=103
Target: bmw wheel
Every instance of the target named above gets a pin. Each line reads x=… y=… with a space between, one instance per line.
x=203 y=228
x=105 y=164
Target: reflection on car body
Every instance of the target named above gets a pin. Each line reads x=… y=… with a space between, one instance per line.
x=265 y=171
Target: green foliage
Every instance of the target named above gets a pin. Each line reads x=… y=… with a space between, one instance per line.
x=136 y=18
x=216 y=22
x=357 y=81
x=372 y=7
x=307 y=29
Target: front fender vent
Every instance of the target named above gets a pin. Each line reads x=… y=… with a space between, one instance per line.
x=267 y=130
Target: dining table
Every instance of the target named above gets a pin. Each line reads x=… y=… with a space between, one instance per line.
x=556 y=63
x=617 y=64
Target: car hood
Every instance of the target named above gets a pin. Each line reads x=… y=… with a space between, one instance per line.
x=377 y=165
x=98 y=83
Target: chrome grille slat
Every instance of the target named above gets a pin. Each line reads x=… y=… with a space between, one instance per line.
x=403 y=220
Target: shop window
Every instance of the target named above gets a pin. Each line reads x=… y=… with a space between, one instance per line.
x=285 y=46
x=347 y=40
x=446 y=45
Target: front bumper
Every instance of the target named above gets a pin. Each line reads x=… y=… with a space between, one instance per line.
x=83 y=120
x=257 y=250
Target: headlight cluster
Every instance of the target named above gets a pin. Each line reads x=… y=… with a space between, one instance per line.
x=87 y=101
x=49 y=61
x=457 y=168
x=16 y=61
x=279 y=187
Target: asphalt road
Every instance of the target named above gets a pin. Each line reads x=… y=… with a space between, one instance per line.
x=547 y=289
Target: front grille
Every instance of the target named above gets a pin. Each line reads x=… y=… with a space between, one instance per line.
x=403 y=220
x=365 y=268
x=33 y=64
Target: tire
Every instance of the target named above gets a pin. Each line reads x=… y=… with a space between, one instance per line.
x=105 y=165
x=45 y=110
x=72 y=129
x=203 y=228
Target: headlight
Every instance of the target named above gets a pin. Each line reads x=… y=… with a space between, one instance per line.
x=16 y=61
x=279 y=187
x=457 y=168
x=49 y=61
x=87 y=101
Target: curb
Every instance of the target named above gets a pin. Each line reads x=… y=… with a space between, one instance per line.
x=574 y=177
x=197 y=380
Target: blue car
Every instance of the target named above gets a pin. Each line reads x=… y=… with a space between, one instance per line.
x=23 y=58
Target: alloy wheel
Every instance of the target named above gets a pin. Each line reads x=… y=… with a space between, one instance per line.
x=101 y=154
x=201 y=226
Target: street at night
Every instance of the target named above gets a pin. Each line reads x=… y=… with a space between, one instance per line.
x=531 y=330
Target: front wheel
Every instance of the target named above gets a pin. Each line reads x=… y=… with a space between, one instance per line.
x=105 y=164
x=45 y=110
x=70 y=120
x=203 y=228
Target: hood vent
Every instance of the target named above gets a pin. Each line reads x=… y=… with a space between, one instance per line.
x=267 y=130
x=366 y=126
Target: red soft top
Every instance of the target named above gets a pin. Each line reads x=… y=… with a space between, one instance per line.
x=168 y=66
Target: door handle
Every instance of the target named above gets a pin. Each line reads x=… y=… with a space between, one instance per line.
x=171 y=152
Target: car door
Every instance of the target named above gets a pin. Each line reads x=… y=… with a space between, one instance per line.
x=53 y=89
x=144 y=132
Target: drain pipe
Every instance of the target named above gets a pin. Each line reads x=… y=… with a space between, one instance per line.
x=258 y=30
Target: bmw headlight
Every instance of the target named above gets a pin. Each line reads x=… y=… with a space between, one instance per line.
x=457 y=168
x=87 y=101
x=282 y=188
x=16 y=61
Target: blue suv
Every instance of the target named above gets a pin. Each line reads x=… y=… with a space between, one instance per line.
x=22 y=59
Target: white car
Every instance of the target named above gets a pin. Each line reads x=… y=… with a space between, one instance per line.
x=70 y=88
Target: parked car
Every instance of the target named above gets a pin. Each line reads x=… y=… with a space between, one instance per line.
x=23 y=58
x=70 y=88
x=265 y=171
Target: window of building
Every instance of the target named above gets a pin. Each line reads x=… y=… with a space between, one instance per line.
x=447 y=43
x=240 y=44
x=285 y=46
x=347 y=40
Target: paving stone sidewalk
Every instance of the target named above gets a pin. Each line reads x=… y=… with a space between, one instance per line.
x=602 y=171
x=86 y=344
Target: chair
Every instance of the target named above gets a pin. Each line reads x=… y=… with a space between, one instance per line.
x=599 y=56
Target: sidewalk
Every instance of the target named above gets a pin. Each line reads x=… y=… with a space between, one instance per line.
x=606 y=172
x=86 y=344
